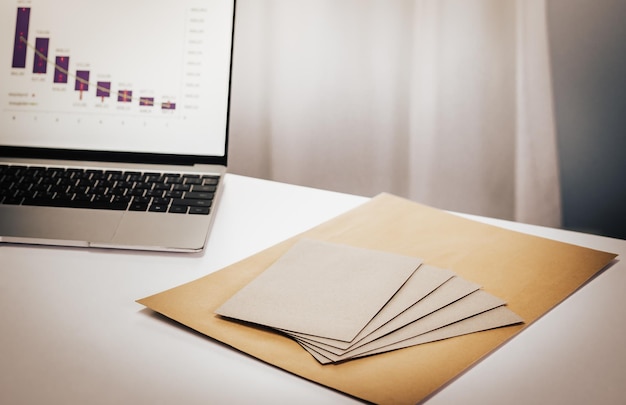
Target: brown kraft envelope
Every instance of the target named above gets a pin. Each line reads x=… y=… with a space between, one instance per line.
x=530 y=273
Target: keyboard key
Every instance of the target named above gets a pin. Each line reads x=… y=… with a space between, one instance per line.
x=192 y=203
x=13 y=200
x=124 y=184
x=173 y=180
x=138 y=206
x=154 y=193
x=158 y=208
x=161 y=201
x=138 y=177
x=173 y=194
x=145 y=200
x=181 y=187
x=203 y=189
x=116 y=176
x=210 y=180
x=162 y=186
x=193 y=181
x=199 y=195
x=199 y=210
x=82 y=197
x=122 y=199
x=178 y=209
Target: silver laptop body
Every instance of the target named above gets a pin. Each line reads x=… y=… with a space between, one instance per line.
x=104 y=101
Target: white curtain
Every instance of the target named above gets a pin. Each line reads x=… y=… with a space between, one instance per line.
x=445 y=102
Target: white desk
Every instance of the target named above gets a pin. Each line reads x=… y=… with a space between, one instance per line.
x=72 y=333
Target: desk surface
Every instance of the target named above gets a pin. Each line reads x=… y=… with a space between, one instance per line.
x=72 y=332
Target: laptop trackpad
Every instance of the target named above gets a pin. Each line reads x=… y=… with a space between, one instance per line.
x=76 y=227
x=150 y=230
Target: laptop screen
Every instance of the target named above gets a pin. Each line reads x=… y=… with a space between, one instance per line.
x=116 y=76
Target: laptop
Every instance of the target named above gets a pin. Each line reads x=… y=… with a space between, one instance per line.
x=113 y=121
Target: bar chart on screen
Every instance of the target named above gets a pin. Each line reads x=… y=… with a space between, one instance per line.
x=68 y=64
x=59 y=62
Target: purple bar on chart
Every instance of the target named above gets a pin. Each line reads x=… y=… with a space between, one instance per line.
x=168 y=106
x=125 y=96
x=146 y=101
x=82 y=82
x=41 y=55
x=21 y=37
x=61 y=66
x=103 y=89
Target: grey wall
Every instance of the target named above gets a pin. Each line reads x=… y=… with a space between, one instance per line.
x=588 y=53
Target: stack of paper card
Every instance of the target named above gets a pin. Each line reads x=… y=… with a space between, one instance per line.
x=341 y=302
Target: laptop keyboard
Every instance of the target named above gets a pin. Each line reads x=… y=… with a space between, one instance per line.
x=107 y=189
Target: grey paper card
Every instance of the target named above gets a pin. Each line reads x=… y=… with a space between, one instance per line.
x=322 y=289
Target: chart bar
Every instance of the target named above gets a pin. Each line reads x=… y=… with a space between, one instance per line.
x=125 y=96
x=62 y=64
x=21 y=37
x=82 y=82
x=146 y=101
x=168 y=106
x=103 y=89
x=40 y=65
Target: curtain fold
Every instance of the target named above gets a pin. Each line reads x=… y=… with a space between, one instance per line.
x=538 y=197
x=446 y=102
